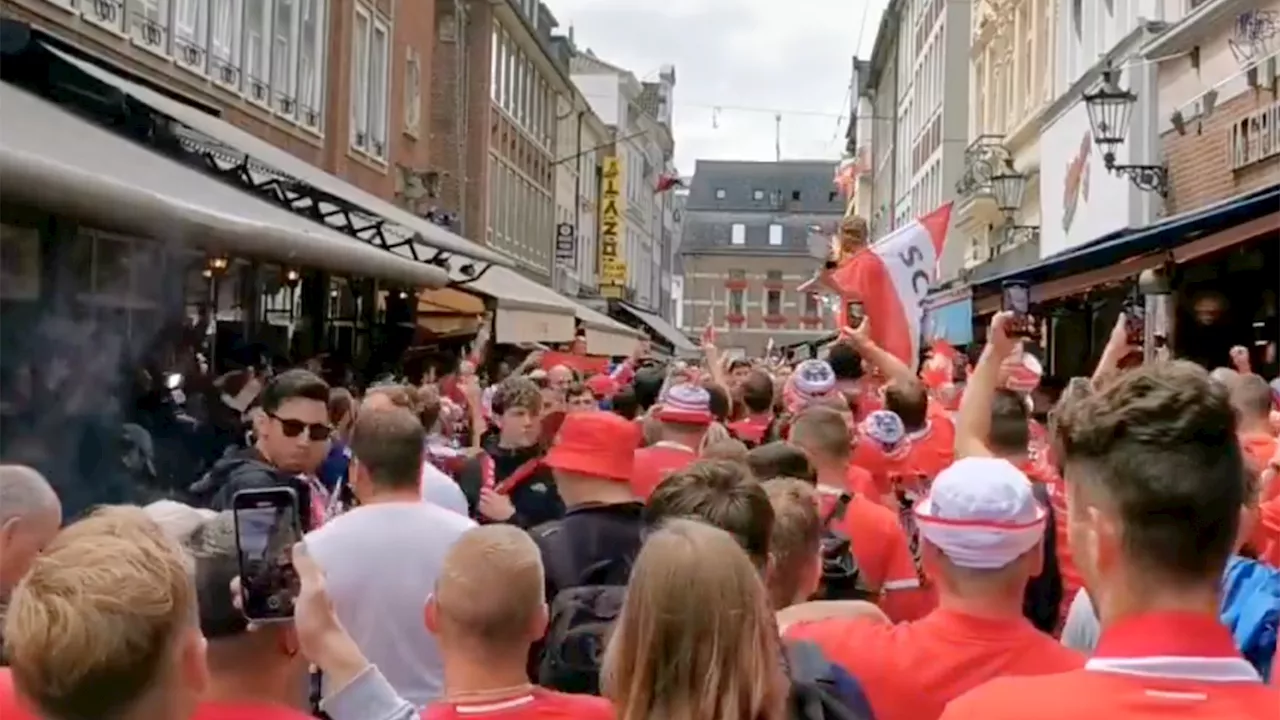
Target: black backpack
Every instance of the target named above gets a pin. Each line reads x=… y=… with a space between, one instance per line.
x=821 y=690
x=841 y=576
x=582 y=616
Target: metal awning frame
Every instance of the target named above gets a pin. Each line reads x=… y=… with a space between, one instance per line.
x=299 y=197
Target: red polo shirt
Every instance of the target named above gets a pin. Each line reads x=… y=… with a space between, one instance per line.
x=538 y=704
x=655 y=463
x=1160 y=666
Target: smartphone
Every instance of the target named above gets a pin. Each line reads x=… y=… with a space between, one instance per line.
x=268 y=524
x=1135 y=320
x=854 y=313
x=1016 y=298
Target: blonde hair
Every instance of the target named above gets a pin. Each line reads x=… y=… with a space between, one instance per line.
x=797 y=537
x=92 y=626
x=696 y=638
x=178 y=520
x=484 y=558
x=822 y=429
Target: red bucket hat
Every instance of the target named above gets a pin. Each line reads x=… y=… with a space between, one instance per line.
x=597 y=444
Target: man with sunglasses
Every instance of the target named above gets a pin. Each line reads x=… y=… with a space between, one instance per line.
x=291 y=438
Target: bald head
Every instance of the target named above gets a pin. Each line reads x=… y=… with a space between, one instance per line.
x=560 y=375
x=30 y=515
x=465 y=605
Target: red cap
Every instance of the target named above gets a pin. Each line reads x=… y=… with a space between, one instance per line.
x=602 y=386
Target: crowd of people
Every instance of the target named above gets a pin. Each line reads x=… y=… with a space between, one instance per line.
x=840 y=538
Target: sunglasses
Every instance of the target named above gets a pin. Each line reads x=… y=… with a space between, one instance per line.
x=293 y=428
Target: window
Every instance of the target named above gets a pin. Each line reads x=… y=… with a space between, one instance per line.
x=149 y=23
x=719 y=193
x=412 y=91
x=189 y=28
x=757 y=194
x=257 y=53
x=224 y=42
x=736 y=304
x=311 y=48
x=738 y=234
x=772 y=301
x=775 y=234
x=811 y=305
x=369 y=96
x=284 y=57
x=495 y=65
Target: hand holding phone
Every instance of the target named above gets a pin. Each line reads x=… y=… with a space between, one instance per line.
x=854 y=313
x=1015 y=299
x=268 y=524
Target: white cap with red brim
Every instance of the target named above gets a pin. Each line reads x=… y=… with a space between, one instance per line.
x=981 y=513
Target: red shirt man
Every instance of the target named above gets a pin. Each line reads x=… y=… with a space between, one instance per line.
x=685 y=415
x=1160 y=436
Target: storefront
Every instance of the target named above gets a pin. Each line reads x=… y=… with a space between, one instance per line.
x=948 y=315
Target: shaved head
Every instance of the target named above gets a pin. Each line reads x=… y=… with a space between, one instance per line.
x=484 y=558
x=30 y=515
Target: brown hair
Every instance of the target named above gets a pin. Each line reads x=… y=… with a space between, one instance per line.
x=482 y=559
x=727 y=449
x=757 y=391
x=696 y=639
x=428 y=406
x=910 y=401
x=390 y=444
x=341 y=404
x=721 y=493
x=797 y=537
x=1156 y=446
x=401 y=396
x=94 y=624
x=780 y=459
x=822 y=429
x=516 y=392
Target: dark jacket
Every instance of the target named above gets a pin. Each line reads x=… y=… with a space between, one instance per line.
x=536 y=499
x=246 y=470
x=591 y=536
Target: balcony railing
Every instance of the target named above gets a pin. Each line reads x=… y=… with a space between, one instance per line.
x=981 y=160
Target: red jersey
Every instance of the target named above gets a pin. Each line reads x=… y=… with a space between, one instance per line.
x=752 y=428
x=910 y=671
x=246 y=711
x=1160 y=666
x=655 y=463
x=538 y=704
x=11 y=707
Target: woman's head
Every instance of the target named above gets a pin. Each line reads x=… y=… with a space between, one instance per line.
x=696 y=638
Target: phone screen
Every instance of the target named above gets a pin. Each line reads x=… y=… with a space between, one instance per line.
x=267 y=527
x=854 y=313
x=1135 y=321
x=1017 y=299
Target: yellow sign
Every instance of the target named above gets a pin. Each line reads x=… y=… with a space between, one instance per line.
x=613 y=268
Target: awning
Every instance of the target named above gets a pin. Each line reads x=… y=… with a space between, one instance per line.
x=951 y=320
x=56 y=161
x=409 y=228
x=663 y=329
x=1123 y=251
x=529 y=312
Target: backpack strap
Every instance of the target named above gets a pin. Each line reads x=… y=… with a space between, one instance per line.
x=838 y=510
x=807 y=663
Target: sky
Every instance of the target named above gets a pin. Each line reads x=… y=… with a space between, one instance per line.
x=792 y=58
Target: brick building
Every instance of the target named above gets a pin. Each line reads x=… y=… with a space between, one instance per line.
x=745 y=247
x=339 y=85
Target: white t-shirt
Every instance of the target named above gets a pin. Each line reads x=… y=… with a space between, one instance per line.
x=439 y=488
x=381 y=562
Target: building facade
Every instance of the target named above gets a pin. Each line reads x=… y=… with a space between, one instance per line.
x=338 y=83
x=639 y=116
x=1011 y=80
x=744 y=248
x=925 y=43
x=1219 y=121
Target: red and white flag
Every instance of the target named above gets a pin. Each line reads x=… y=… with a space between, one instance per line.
x=892 y=278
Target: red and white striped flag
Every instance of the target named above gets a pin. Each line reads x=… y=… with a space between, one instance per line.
x=892 y=278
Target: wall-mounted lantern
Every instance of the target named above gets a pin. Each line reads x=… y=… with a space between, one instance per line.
x=1110 y=109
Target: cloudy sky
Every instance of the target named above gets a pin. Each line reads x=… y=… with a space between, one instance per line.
x=793 y=57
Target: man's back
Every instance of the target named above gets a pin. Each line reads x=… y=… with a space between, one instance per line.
x=381 y=562
x=1104 y=696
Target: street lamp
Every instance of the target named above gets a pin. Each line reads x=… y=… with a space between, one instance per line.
x=1008 y=189
x=1110 y=108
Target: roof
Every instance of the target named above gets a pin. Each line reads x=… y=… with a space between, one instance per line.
x=778 y=182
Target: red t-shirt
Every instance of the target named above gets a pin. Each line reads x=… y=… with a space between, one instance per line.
x=539 y=704
x=1168 y=666
x=10 y=706
x=751 y=429
x=246 y=711
x=880 y=547
x=654 y=463
x=910 y=671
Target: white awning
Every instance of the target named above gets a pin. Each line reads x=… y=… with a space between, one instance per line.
x=56 y=161
x=529 y=312
x=429 y=234
x=679 y=342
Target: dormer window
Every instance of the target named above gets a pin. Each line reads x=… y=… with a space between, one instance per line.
x=719 y=193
